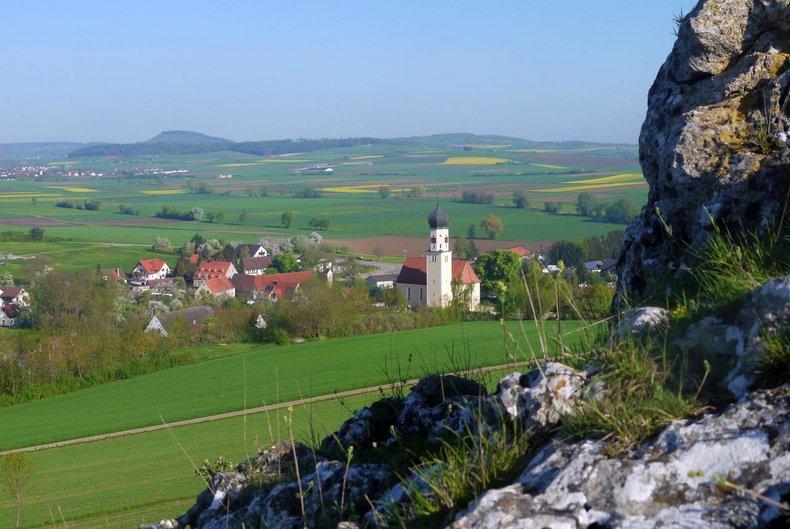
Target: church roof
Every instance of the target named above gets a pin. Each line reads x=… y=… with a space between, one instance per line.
x=414 y=271
x=438 y=218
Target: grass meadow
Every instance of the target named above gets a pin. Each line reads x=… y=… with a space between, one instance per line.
x=122 y=482
x=248 y=375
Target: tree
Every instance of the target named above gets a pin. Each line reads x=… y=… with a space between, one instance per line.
x=15 y=476
x=465 y=249
x=585 y=204
x=551 y=207
x=36 y=234
x=286 y=219
x=500 y=276
x=196 y=213
x=211 y=216
x=569 y=252
x=492 y=225
x=243 y=217
x=285 y=262
x=520 y=199
x=499 y=265
x=621 y=211
x=385 y=191
x=34 y=201
x=319 y=223
x=162 y=244
x=471 y=231
x=6 y=279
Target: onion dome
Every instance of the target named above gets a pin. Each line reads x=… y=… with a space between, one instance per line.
x=438 y=218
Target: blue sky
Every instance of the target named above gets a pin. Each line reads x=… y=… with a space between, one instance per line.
x=250 y=70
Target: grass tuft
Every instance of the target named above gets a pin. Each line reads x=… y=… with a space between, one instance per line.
x=640 y=392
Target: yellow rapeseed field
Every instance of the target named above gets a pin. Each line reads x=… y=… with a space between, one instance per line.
x=625 y=178
x=73 y=189
x=368 y=157
x=20 y=196
x=588 y=187
x=474 y=160
x=548 y=166
x=164 y=192
x=67 y=162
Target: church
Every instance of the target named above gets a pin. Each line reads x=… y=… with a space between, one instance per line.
x=428 y=280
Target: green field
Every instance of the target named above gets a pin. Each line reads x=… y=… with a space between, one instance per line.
x=268 y=375
x=350 y=199
x=120 y=483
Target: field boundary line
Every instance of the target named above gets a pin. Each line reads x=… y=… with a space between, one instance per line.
x=239 y=413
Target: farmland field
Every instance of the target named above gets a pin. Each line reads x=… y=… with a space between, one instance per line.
x=246 y=375
x=142 y=478
x=350 y=193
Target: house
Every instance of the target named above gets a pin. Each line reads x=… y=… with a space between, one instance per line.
x=521 y=251
x=377 y=282
x=192 y=319
x=147 y=269
x=213 y=269
x=194 y=259
x=593 y=267
x=429 y=280
x=114 y=274
x=16 y=296
x=325 y=269
x=608 y=266
x=252 y=250
x=256 y=266
x=8 y=315
x=219 y=287
x=271 y=286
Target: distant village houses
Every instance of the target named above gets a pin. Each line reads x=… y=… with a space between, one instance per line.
x=190 y=320
x=212 y=270
x=147 y=269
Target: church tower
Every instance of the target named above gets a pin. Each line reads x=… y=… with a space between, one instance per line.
x=439 y=260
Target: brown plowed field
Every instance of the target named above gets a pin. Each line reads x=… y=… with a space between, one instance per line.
x=415 y=246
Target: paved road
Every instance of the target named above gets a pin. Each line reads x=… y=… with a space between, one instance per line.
x=237 y=413
x=381 y=268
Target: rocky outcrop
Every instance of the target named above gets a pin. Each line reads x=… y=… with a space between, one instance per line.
x=713 y=146
x=266 y=492
x=738 y=341
x=724 y=470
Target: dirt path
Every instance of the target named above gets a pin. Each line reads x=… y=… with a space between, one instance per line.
x=230 y=414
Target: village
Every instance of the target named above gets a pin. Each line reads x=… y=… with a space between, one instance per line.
x=204 y=277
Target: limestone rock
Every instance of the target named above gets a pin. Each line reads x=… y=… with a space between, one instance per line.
x=699 y=147
x=737 y=341
x=542 y=396
x=640 y=322
x=668 y=482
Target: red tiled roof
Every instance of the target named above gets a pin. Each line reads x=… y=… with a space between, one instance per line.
x=218 y=285
x=282 y=289
x=249 y=283
x=523 y=252
x=10 y=292
x=194 y=258
x=11 y=311
x=151 y=266
x=212 y=269
x=414 y=270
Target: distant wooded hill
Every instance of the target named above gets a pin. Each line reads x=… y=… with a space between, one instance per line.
x=184 y=142
x=187 y=142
